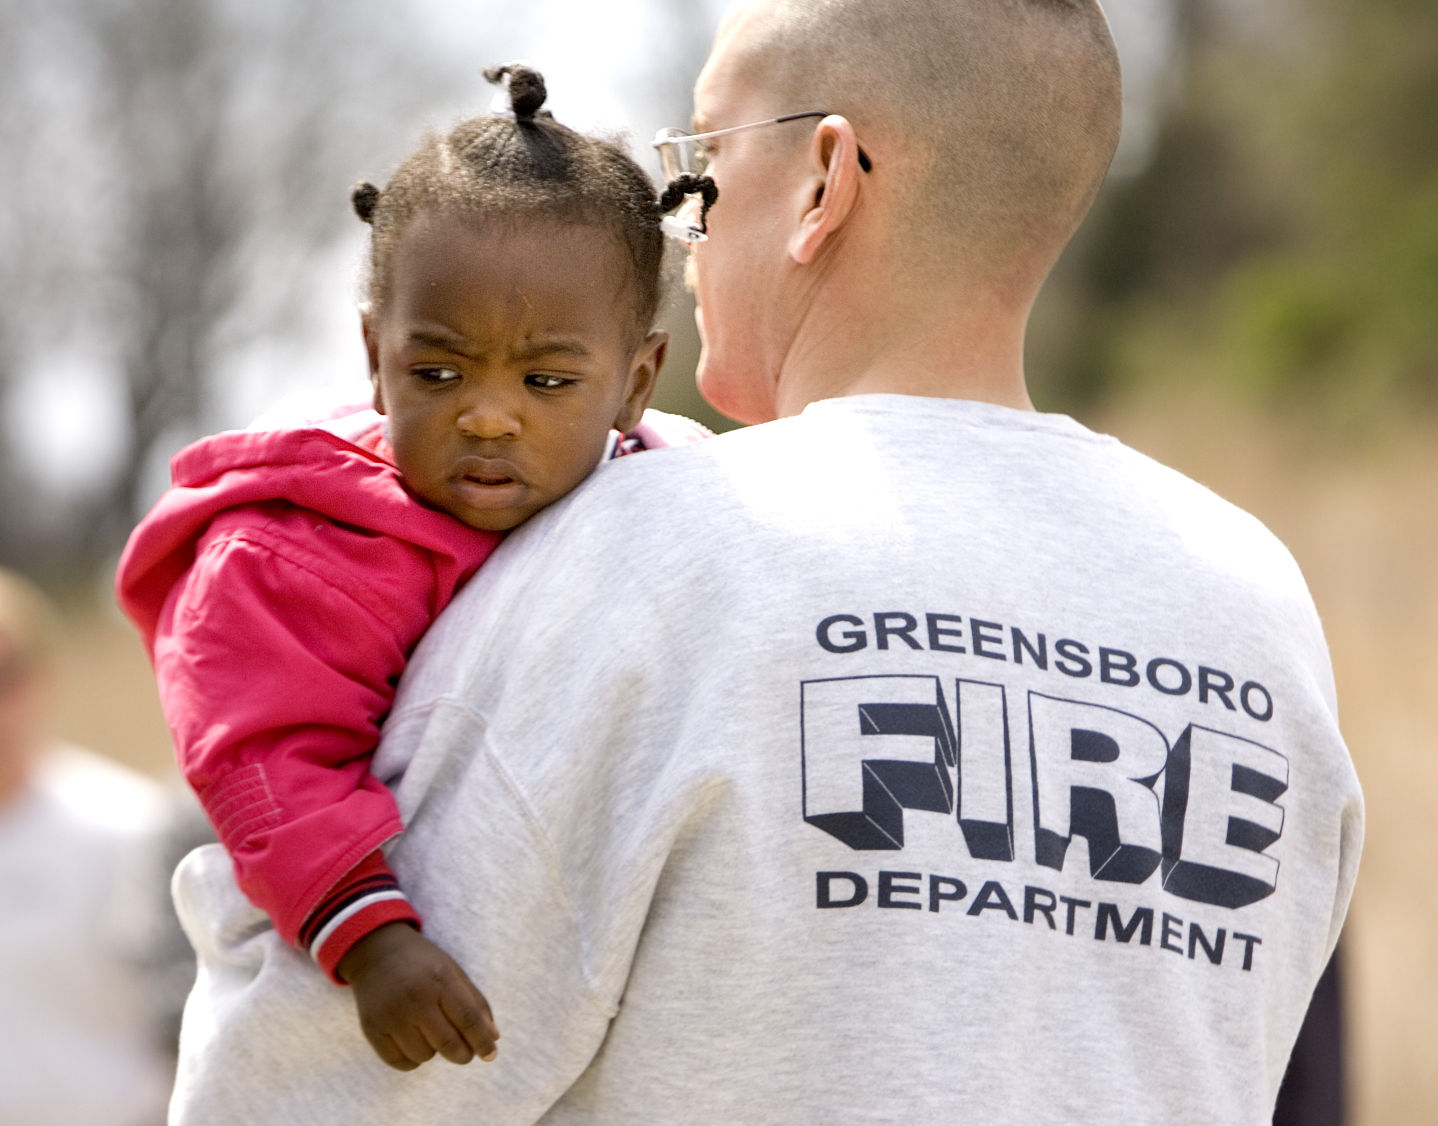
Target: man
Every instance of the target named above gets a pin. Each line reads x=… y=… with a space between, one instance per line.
x=914 y=757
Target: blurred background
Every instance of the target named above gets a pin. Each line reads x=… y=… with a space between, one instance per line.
x=1254 y=301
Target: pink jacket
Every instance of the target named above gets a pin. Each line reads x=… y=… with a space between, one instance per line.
x=280 y=586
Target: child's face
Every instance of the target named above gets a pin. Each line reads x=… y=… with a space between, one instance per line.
x=503 y=356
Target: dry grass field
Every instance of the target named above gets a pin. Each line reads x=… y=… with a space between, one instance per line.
x=1362 y=519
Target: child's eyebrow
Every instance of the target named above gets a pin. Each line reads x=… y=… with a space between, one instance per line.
x=559 y=346
x=460 y=345
x=438 y=338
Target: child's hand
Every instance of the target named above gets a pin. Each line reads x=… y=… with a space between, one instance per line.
x=414 y=1000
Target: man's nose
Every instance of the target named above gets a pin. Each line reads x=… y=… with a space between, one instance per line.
x=691 y=209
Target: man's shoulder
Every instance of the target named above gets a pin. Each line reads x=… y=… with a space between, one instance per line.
x=677 y=473
x=636 y=518
x=1187 y=501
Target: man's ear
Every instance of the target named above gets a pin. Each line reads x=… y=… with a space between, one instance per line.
x=371 y=347
x=643 y=375
x=834 y=191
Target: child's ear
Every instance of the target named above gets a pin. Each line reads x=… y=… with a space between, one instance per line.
x=371 y=347
x=643 y=374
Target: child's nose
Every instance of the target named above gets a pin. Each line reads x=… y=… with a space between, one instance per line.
x=490 y=413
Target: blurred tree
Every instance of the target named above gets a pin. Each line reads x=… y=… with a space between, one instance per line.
x=1283 y=239
x=175 y=168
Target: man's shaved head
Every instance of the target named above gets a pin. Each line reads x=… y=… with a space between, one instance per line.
x=1000 y=116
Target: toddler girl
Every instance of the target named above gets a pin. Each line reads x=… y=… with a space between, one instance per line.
x=282 y=582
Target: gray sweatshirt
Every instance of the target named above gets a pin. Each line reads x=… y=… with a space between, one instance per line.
x=906 y=761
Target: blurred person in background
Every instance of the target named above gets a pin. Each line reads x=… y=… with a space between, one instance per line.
x=83 y=897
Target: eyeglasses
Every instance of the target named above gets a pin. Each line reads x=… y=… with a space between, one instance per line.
x=686 y=154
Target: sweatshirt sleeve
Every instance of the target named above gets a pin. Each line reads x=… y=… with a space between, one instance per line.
x=277 y=659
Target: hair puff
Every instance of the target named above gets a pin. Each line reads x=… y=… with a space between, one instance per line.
x=525 y=86
x=365 y=198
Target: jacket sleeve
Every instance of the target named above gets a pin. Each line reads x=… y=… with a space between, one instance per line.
x=277 y=659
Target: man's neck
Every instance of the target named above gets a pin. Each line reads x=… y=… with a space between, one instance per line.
x=978 y=356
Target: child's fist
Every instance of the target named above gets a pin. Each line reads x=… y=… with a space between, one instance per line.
x=414 y=1001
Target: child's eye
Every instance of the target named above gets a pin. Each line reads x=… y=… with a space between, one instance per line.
x=436 y=374
x=547 y=382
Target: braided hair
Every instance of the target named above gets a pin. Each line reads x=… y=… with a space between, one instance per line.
x=516 y=166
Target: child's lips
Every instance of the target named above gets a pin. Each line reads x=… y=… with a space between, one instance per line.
x=488 y=482
x=487 y=470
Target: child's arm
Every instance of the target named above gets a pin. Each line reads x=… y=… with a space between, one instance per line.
x=275 y=666
x=277 y=661
x=414 y=1001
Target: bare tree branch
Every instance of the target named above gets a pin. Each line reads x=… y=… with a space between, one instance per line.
x=178 y=166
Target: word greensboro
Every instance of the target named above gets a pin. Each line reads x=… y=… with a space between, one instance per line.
x=946 y=633
x=1039 y=907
